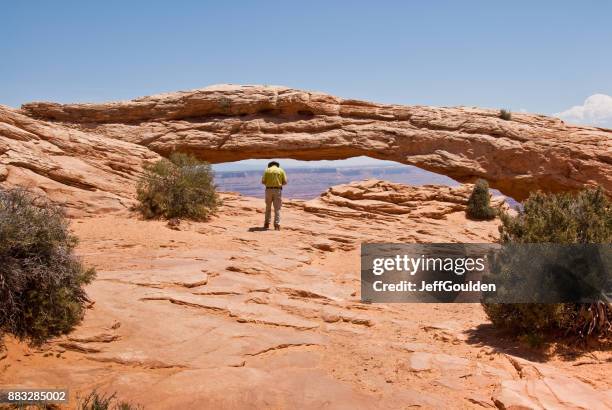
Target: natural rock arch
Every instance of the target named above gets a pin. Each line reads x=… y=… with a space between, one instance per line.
x=96 y=147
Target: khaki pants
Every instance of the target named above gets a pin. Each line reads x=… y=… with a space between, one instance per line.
x=273 y=197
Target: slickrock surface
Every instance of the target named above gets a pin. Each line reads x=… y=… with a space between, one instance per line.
x=387 y=200
x=97 y=148
x=223 y=315
x=219 y=315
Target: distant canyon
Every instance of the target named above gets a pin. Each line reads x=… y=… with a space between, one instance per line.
x=310 y=182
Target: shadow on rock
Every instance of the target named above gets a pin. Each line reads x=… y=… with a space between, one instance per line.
x=508 y=343
x=505 y=342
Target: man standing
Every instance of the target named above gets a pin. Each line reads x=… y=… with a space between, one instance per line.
x=273 y=178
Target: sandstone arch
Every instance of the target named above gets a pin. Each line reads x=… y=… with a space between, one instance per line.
x=98 y=148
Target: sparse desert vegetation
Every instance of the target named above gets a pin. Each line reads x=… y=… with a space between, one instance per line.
x=258 y=312
x=104 y=401
x=418 y=257
x=479 y=202
x=178 y=187
x=505 y=115
x=41 y=278
x=585 y=217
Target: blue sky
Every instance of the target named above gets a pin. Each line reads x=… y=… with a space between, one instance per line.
x=538 y=56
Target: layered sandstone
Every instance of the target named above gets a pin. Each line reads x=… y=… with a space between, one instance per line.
x=376 y=199
x=87 y=172
x=98 y=148
x=223 y=315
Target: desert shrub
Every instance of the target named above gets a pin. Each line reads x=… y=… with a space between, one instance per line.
x=33 y=406
x=585 y=217
x=505 y=115
x=41 y=280
x=479 y=203
x=178 y=187
x=101 y=401
x=564 y=218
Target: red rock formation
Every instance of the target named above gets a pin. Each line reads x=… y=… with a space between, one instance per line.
x=98 y=148
x=86 y=172
x=374 y=199
x=179 y=306
x=217 y=316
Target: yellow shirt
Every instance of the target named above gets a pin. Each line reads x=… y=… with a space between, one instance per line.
x=274 y=177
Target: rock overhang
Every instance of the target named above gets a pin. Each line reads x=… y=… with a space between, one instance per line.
x=230 y=122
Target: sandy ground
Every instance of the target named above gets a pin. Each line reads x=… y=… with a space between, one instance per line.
x=222 y=315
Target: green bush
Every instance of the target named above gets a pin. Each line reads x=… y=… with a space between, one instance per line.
x=100 y=401
x=585 y=217
x=479 y=203
x=178 y=187
x=505 y=115
x=41 y=280
x=565 y=218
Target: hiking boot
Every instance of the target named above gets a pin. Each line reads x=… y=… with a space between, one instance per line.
x=266 y=226
x=277 y=227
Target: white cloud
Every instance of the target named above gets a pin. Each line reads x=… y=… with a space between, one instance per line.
x=596 y=110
